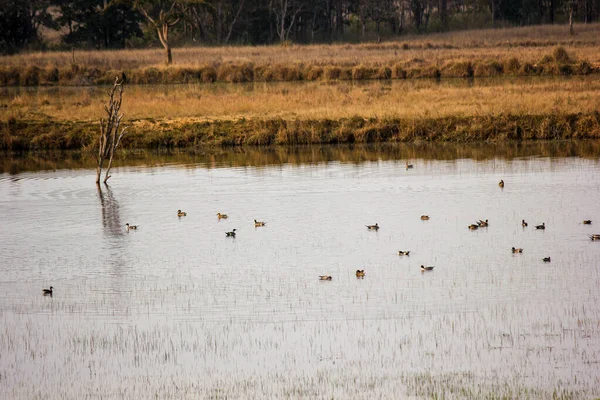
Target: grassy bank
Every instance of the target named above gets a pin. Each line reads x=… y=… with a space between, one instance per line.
x=253 y=156
x=307 y=113
x=419 y=99
x=483 y=53
x=25 y=135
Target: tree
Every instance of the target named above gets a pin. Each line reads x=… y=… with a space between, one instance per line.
x=20 y=21
x=286 y=12
x=162 y=15
x=443 y=11
x=99 y=23
x=110 y=137
x=215 y=19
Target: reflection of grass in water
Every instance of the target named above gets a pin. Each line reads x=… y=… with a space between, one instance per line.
x=312 y=358
x=217 y=157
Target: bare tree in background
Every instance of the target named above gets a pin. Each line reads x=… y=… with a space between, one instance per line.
x=162 y=15
x=110 y=137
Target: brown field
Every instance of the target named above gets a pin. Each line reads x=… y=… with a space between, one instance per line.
x=511 y=51
x=314 y=100
x=331 y=105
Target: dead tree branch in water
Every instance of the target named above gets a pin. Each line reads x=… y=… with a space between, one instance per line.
x=109 y=129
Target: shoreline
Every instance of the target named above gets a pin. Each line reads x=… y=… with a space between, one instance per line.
x=85 y=75
x=26 y=135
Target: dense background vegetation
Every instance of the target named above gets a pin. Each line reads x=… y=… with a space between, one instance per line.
x=105 y=24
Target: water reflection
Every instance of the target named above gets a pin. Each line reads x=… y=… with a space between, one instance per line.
x=180 y=299
x=216 y=157
x=111 y=217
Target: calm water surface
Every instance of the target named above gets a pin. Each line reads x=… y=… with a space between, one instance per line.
x=177 y=310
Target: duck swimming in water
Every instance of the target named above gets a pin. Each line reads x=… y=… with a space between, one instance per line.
x=373 y=227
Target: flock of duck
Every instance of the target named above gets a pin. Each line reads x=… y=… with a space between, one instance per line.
x=360 y=273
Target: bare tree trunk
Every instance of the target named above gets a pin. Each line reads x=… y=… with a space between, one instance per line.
x=571 y=30
x=339 y=20
x=110 y=137
x=219 y=23
x=237 y=14
x=163 y=36
x=162 y=25
x=444 y=14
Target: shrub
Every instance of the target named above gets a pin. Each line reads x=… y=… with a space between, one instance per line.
x=10 y=76
x=584 y=68
x=512 y=66
x=30 y=76
x=345 y=74
x=50 y=75
x=314 y=73
x=235 y=73
x=208 y=74
x=488 y=68
x=331 y=73
x=398 y=72
x=383 y=73
x=527 y=68
x=560 y=55
x=359 y=73
x=459 y=69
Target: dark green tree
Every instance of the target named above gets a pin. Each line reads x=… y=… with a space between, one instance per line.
x=20 y=21
x=98 y=23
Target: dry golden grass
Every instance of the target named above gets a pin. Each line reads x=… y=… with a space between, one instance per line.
x=529 y=45
x=315 y=100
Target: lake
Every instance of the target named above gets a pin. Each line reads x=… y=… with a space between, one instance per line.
x=175 y=309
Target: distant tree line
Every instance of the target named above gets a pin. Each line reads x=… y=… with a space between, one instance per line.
x=109 y=24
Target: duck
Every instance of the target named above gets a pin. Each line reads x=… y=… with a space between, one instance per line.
x=542 y=226
x=222 y=216
x=47 y=291
x=181 y=213
x=403 y=253
x=595 y=236
x=501 y=183
x=128 y=227
x=424 y=217
x=230 y=234
x=546 y=259
x=409 y=166
x=325 y=277
x=424 y=268
x=360 y=273
x=373 y=227
x=259 y=223
x=587 y=221
x=482 y=223
x=519 y=250
x=473 y=227
x=523 y=223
